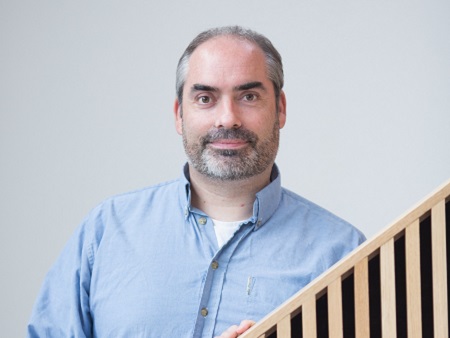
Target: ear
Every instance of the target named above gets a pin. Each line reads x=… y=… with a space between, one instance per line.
x=178 y=117
x=282 y=109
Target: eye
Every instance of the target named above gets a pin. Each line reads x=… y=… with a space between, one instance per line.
x=250 y=97
x=204 y=99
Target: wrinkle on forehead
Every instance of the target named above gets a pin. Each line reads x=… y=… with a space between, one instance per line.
x=227 y=57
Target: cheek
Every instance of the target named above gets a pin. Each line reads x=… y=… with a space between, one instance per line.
x=262 y=125
x=193 y=131
x=197 y=125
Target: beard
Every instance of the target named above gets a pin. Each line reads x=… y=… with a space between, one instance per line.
x=232 y=164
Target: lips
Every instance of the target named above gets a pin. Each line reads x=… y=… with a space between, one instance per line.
x=229 y=143
x=229 y=138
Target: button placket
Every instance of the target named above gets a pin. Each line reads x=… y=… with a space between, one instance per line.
x=212 y=290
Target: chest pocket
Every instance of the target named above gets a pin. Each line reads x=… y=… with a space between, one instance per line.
x=264 y=293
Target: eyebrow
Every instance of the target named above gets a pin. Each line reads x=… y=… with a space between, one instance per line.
x=250 y=85
x=200 y=87
x=246 y=86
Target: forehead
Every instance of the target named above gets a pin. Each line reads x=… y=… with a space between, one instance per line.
x=226 y=60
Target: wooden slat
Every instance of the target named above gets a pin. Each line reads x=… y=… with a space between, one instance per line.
x=439 y=270
x=413 y=283
x=309 y=317
x=284 y=327
x=335 y=318
x=362 y=319
x=387 y=278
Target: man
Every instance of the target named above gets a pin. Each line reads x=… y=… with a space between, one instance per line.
x=224 y=243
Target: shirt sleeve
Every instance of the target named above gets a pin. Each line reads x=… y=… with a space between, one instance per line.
x=62 y=307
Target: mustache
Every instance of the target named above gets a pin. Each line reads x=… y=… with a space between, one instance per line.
x=230 y=134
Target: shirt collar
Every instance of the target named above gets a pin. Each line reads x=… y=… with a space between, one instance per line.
x=266 y=202
x=267 y=199
x=185 y=191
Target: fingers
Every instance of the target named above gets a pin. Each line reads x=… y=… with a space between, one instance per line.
x=235 y=331
x=244 y=326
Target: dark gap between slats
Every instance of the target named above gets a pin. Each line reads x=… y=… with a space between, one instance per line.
x=374 y=297
x=400 y=287
x=426 y=276
x=322 y=316
x=273 y=335
x=348 y=306
x=297 y=326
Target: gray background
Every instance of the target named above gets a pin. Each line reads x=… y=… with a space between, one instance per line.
x=86 y=96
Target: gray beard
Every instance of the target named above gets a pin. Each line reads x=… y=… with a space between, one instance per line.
x=232 y=164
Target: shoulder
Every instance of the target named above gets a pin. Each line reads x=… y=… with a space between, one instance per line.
x=144 y=192
x=319 y=220
x=139 y=198
x=132 y=206
x=325 y=236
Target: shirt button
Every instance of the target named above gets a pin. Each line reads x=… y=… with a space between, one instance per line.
x=204 y=312
x=214 y=265
x=202 y=220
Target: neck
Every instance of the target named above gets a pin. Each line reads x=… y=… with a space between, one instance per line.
x=226 y=200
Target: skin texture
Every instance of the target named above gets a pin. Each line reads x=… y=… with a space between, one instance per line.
x=229 y=120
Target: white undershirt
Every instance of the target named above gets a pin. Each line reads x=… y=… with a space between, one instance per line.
x=224 y=230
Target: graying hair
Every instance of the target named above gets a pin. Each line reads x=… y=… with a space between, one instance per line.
x=273 y=58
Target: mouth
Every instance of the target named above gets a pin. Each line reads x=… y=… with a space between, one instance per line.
x=229 y=140
x=228 y=144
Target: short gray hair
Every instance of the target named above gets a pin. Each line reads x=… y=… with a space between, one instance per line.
x=273 y=58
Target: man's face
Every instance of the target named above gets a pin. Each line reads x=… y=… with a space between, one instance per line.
x=228 y=117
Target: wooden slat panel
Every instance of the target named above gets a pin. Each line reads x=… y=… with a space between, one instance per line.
x=284 y=327
x=439 y=270
x=335 y=318
x=357 y=260
x=262 y=336
x=362 y=319
x=309 y=317
x=387 y=278
x=413 y=284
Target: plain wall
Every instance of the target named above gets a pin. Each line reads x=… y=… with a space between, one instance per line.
x=86 y=97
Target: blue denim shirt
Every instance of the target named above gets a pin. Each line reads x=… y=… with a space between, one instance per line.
x=147 y=264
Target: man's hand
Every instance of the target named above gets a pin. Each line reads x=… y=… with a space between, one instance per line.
x=235 y=331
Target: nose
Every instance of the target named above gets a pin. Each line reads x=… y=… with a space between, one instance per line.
x=228 y=115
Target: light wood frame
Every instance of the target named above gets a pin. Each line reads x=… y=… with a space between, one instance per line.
x=429 y=215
